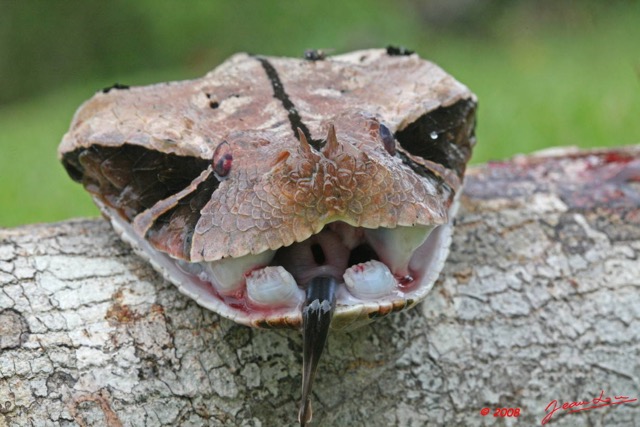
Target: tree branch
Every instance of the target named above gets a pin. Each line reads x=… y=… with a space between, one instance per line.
x=539 y=301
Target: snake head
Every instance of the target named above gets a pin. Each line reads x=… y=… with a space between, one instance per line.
x=252 y=188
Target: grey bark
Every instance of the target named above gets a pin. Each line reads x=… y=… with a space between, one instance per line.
x=539 y=301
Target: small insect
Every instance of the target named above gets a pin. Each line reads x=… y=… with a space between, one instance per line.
x=398 y=51
x=309 y=196
x=316 y=54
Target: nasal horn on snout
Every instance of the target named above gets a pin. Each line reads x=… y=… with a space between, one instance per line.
x=330 y=145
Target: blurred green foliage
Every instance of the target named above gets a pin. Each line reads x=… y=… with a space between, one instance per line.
x=547 y=73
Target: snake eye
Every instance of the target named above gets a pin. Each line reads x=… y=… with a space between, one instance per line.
x=222 y=159
x=387 y=139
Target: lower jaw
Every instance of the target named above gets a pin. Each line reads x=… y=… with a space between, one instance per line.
x=350 y=312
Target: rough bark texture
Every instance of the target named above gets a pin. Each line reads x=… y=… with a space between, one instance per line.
x=539 y=301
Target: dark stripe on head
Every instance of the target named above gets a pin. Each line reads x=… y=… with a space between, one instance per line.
x=131 y=178
x=172 y=231
x=443 y=136
x=280 y=94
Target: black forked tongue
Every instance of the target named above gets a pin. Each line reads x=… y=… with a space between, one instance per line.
x=316 y=317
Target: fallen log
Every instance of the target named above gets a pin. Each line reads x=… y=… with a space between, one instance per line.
x=539 y=303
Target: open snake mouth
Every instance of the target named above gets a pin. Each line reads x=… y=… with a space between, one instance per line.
x=378 y=271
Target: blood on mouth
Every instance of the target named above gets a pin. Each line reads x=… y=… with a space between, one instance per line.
x=339 y=250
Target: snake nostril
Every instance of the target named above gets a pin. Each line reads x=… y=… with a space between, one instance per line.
x=318 y=254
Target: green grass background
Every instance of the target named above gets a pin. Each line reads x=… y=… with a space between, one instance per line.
x=547 y=73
